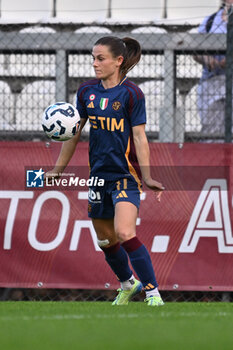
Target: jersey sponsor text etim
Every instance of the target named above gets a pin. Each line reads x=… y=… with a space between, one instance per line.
x=112 y=113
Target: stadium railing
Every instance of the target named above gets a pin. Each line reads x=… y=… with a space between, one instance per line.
x=45 y=66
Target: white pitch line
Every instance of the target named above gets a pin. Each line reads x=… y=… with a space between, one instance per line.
x=114 y=316
x=66 y=317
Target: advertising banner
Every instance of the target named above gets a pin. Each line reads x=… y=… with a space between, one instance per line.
x=48 y=241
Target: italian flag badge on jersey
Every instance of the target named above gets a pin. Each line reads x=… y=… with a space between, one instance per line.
x=103 y=103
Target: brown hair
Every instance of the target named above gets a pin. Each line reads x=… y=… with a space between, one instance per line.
x=129 y=48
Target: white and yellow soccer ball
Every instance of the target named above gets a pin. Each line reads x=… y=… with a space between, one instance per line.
x=60 y=121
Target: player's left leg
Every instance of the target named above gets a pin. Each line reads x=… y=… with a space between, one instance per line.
x=125 y=228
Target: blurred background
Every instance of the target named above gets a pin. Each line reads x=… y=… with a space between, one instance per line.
x=45 y=55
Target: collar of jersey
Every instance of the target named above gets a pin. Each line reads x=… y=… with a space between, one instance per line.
x=114 y=87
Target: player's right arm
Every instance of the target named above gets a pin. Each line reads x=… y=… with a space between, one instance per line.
x=67 y=151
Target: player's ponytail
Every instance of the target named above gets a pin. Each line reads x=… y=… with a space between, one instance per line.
x=132 y=56
x=129 y=48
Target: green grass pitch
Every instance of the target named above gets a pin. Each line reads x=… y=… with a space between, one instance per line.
x=98 y=325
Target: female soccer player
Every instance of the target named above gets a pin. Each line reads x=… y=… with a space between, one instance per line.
x=119 y=154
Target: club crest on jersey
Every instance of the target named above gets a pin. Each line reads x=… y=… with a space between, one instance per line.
x=116 y=105
x=104 y=103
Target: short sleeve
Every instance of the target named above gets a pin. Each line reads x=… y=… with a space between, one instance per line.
x=80 y=105
x=137 y=109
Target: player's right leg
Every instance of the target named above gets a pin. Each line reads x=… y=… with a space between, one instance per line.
x=101 y=211
x=117 y=258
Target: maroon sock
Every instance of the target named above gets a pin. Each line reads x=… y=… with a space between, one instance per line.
x=132 y=244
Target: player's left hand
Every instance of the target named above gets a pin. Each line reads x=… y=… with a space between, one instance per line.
x=156 y=187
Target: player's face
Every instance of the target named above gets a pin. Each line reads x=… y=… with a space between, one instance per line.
x=105 y=65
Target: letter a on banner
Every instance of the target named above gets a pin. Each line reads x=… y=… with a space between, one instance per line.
x=212 y=197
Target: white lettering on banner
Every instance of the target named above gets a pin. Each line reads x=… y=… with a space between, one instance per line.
x=14 y=196
x=212 y=199
x=35 y=218
x=213 y=195
x=78 y=225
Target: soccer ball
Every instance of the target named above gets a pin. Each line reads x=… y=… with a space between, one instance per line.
x=60 y=121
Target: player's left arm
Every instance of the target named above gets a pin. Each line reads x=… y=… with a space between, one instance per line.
x=143 y=156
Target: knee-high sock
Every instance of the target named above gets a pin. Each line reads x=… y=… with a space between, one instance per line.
x=141 y=262
x=117 y=259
